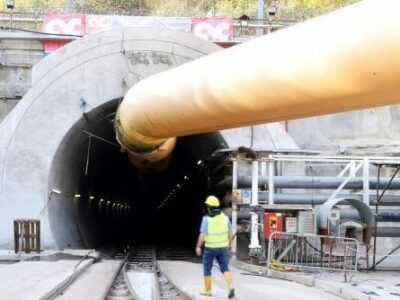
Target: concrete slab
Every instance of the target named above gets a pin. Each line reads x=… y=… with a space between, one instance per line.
x=359 y=285
x=11 y=255
x=144 y=284
x=328 y=286
x=352 y=294
x=81 y=252
x=371 y=285
x=190 y=282
x=35 y=279
x=92 y=284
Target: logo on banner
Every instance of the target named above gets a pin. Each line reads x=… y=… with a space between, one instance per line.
x=213 y=29
x=97 y=23
x=62 y=24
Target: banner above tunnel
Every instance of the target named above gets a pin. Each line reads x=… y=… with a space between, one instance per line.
x=210 y=28
x=74 y=25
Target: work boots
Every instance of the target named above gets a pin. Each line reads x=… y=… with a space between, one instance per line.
x=207 y=286
x=229 y=282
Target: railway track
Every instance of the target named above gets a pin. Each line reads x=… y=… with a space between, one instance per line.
x=118 y=288
x=138 y=276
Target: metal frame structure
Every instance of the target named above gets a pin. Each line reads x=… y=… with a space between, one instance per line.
x=353 y=165
x=379 y=196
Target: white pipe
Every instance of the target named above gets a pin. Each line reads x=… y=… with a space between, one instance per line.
x=254 y=183
x=271 y=174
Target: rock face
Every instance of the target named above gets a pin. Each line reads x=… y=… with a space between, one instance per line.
x=374 y=131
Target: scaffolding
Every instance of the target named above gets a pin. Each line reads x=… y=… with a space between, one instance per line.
x=355 y=175
x=394 y=165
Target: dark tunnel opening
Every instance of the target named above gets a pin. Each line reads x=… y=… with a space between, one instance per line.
x=98 y=198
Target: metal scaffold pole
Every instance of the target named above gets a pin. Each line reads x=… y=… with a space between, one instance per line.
x=260 y=16
x=234 y=208
x=68 y=6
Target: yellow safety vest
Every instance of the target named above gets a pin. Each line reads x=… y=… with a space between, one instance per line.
x=217 y=232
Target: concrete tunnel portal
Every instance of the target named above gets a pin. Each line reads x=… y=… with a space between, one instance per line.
x=116 y=203
x=44 y=141
x=50 y=172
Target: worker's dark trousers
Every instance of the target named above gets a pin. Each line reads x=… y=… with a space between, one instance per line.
x=222 y=256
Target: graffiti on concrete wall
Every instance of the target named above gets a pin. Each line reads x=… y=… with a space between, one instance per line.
x=148 y=57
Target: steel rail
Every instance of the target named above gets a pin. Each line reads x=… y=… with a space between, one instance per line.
x=141 y=259
x=108 y=294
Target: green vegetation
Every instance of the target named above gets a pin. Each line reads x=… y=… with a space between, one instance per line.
x=26 y=5
x=287 y=9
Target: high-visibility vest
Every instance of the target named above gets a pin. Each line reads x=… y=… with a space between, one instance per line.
x=217 y=232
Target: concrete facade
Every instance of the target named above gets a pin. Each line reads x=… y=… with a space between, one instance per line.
x=83 y=80
x=16 y=60
x=97 y=69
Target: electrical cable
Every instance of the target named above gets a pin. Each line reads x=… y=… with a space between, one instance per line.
x=88 y=155
x=264 y=275
x=39 y=32
x=104 y=255
x=246 y=234
x=72 y=277
x=313 y=247
x=84 y=103
x=100 y=138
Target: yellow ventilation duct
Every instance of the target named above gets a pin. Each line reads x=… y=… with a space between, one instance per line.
x=345 y=60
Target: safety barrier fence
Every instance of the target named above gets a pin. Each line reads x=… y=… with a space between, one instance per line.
x=302 y=252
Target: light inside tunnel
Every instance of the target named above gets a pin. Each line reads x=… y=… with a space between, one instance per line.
x=98 y=198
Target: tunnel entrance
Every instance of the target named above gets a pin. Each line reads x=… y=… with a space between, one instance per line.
x=98 y=198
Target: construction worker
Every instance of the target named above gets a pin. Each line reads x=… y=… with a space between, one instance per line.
x=216 y=235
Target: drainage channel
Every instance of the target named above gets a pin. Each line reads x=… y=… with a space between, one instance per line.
x=138 y=276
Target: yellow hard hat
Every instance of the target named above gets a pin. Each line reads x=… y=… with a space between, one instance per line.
x=212 y=201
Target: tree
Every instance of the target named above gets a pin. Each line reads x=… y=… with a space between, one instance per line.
x=296 y=9
x=135 y=7
x=26 y=5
